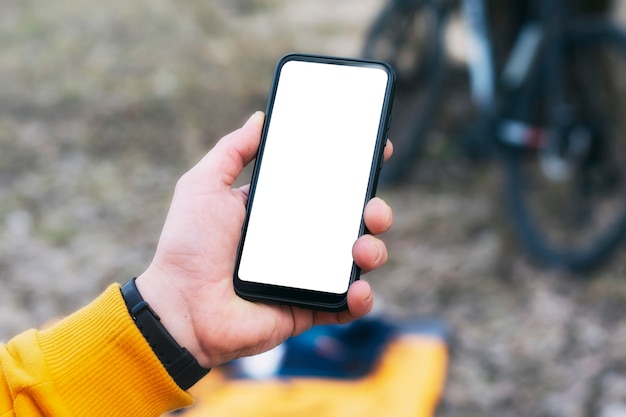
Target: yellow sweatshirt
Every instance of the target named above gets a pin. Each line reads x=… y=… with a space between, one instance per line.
x=93 y=363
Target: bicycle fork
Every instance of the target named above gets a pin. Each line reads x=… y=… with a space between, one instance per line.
x=480 y=54
x=516 y=71
x=532 y=73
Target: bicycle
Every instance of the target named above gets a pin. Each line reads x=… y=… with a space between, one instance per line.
x=551 y=108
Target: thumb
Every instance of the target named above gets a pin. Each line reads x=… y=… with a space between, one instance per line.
x=223 y=164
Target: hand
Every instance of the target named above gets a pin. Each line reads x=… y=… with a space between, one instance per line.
x=190 y=280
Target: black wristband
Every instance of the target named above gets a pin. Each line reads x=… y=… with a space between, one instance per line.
x=179 y=363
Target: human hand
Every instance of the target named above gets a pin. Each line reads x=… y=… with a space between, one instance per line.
x=189 y=283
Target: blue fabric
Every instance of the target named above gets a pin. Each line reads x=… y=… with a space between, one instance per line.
x=337 y=351
x=331 y=351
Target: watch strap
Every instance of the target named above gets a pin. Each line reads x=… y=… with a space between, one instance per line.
x=179 y=363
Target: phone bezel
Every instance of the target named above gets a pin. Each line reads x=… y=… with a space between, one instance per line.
x=310 y=299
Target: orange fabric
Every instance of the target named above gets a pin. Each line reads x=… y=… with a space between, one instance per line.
x=93 y=363
x=408 y=382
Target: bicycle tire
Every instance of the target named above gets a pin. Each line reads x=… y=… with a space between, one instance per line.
x=407 y=35
x=576 y=225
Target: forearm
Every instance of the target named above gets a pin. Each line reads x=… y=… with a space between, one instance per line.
x=95 y=362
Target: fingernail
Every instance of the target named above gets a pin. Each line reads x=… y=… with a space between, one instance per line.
x=368 y=298
x=257 y=115
x=380 y=254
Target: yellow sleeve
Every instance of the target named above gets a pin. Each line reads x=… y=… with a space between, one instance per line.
x=93 y=363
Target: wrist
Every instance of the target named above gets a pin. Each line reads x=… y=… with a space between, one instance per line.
x=166 y=301
x=176 y=359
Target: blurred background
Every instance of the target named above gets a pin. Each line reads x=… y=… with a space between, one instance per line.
x=103 y=105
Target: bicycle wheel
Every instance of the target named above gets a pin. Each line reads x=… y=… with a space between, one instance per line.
x=407 y=35
x=567 y=191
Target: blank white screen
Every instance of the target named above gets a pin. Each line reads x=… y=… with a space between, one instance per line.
x=313 y=179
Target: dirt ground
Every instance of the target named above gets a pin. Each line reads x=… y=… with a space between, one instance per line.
x=103 y=105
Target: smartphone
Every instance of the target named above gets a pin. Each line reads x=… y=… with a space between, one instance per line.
x=317 y=166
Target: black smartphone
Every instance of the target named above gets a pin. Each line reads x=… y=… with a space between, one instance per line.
x=317 y=166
